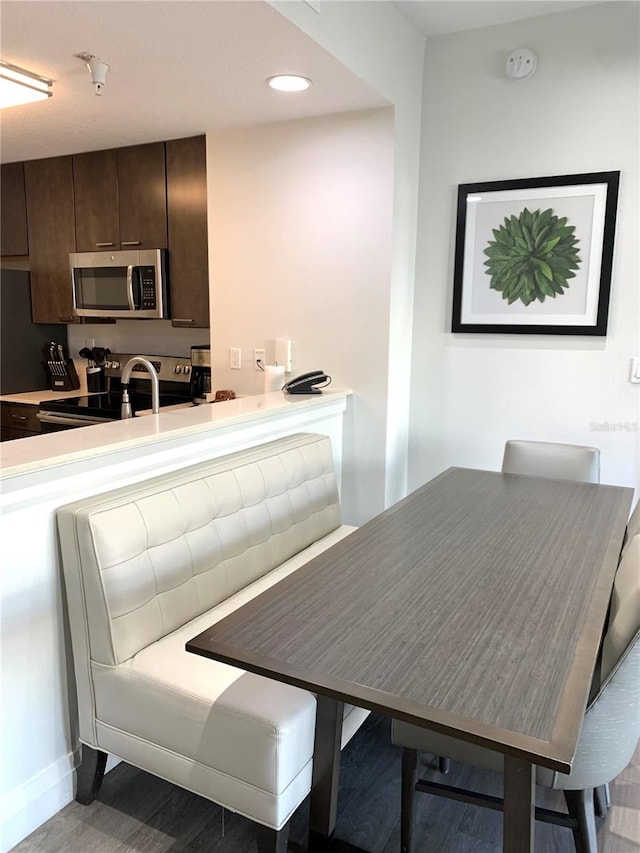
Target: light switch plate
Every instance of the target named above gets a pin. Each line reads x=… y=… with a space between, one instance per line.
x=635 y=371
x=235 y=358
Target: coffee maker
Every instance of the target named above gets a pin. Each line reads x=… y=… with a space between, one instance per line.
x=200 y=373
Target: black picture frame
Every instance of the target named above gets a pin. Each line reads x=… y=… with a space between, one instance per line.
x=524 y=244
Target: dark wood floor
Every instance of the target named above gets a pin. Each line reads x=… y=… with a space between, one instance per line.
x=137 y=813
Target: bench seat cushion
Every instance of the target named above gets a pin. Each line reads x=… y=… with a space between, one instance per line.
x=251 y=737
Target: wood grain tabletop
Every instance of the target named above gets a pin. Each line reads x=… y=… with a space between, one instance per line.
x=474 y=606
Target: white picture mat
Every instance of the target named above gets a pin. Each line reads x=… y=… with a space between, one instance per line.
x=584 y=206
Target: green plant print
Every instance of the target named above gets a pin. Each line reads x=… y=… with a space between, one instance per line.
x=532 y=256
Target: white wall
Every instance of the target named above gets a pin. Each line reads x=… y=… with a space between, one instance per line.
x=300 y=225
x=578 y=113
x=378 y=44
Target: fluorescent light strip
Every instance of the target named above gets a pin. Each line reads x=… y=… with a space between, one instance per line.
x=19 y=86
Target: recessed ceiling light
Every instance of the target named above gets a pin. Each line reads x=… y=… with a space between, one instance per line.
x=289 y=83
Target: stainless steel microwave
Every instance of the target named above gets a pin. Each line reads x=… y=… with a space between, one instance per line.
x=120 y=285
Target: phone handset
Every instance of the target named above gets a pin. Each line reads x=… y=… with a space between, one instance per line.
x=308 y=383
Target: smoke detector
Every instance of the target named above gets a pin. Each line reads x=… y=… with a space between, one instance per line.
x=521 y=63
x=97 y=68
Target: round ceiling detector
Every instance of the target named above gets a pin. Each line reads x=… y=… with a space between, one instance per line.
x=289 y=83
x=521 y=63
x=98 y=70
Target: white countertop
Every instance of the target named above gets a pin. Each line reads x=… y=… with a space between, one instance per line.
x=40 y=452
x=34 y=398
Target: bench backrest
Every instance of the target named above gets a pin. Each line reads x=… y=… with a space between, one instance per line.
x=142 y=560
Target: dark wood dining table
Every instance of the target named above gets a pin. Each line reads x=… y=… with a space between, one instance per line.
x=474 y=607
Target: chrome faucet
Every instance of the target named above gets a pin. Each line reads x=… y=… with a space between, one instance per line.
x=125 y=409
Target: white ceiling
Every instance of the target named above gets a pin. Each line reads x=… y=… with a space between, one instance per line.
x=181 y=68
x=177 y=69
x=439 y=17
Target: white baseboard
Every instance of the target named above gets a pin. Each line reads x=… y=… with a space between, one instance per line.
x=27 y=807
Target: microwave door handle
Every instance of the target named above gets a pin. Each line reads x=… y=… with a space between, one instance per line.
x=132 y=306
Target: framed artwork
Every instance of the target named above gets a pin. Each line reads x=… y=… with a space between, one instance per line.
x=534 y=255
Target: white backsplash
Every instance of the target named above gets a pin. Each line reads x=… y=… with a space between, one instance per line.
x=144 y=337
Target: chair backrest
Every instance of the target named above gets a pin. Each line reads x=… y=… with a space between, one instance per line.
x=624 y=617
x=611 y=726
x=633 y=526
x=552 y=460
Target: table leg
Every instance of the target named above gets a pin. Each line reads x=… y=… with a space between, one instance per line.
x=326 y=770
x=519 y=805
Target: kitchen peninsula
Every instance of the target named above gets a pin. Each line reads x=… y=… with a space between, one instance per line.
x=38 y=475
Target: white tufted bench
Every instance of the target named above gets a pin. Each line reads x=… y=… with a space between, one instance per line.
x=149 y=566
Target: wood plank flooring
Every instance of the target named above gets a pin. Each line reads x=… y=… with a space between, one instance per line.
x=138 y=813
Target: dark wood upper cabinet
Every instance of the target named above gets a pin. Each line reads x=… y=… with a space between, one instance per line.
x=121 y=198
x=13 y=211
x=50 y=219
x=188 y=241
x=95 y=183
x=142 y=196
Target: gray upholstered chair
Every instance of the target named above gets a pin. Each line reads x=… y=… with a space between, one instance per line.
x=552 y=460
x=633 y=526
x=608 y=739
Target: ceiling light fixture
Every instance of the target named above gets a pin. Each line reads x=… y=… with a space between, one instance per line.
x=19 y=86
x=289 y=83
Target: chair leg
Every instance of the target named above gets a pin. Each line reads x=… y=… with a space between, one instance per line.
x=89 y=774
x=444 y=764
x=580 y=806
x=271 y=840
x=600 y=801
x=407 y=810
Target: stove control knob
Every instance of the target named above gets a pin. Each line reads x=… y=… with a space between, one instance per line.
x=187 y=369
x=177 y=368
x=115 y=364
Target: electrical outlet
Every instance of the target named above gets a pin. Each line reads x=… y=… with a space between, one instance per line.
x=259 y=359
x=235 y=358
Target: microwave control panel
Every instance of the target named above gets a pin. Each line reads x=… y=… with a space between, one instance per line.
x=148 y=288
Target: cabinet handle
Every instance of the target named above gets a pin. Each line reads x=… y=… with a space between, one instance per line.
x=130 y=243
x=18 y=417
x=180 y=320
x=104 y=245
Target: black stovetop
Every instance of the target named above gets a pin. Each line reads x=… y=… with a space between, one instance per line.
x=108 y=404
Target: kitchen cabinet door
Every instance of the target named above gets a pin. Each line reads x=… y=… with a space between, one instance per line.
x=142 y=196
x=187 y=221
x=50 y=219
x=18 y=420
x=13 y=211
x=95 y=183
x=121 y=198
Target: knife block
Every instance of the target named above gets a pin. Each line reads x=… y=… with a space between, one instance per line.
x=63 y=375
